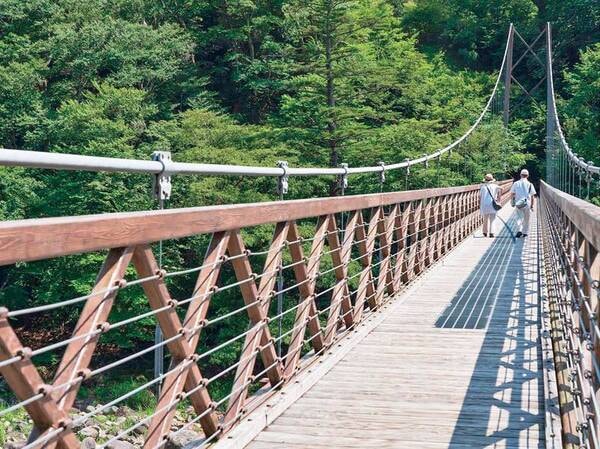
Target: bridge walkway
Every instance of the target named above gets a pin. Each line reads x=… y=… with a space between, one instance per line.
x=453 y=364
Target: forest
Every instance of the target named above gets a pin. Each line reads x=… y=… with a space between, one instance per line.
x=252 y=82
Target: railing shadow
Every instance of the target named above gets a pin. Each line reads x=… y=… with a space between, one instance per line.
x=503 y=405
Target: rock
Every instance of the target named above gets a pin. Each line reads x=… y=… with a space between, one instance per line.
x=183 y=440
x=89 y=422
x=14 y=445
x=88 y=432
x=140 y=430
x=130 y=439
x=88 y=443
x=120 y=445
x=114 y=409
x=120 y=420
x=124 y=411
x=90 y=408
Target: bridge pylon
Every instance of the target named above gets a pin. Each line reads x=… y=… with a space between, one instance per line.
x=511 y=80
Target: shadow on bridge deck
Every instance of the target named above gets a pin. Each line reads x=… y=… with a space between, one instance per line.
x=500 y=297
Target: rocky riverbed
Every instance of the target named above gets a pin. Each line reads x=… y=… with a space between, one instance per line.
x=96 y=430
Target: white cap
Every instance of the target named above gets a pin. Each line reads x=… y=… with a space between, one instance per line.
x=524 y=172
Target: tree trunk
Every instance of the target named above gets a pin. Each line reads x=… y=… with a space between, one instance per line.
x=334 y=158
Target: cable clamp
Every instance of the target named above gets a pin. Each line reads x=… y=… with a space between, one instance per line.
x=407 y=160
x=342 y=181
x=84 y=374
x=103 y=327
x=161 y=185
x=283 y=180
x=426 y=161
x=382 y=172
x=66 y=423
x=45 y=389
x=25 y=353
x=121 y=283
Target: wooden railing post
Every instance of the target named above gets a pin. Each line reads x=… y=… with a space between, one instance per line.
x=258 y=300
x=385 y=279
x=401 y=230
x=341 y=254
x=308 y=311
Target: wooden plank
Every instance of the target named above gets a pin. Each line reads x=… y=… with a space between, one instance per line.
x=308 y=310
x=78 y=354
x=385 y=280
x=258 y=300
x=24 y=379
x=340 y=256
x=158 y=296
x=186 y=378
x=366 y=238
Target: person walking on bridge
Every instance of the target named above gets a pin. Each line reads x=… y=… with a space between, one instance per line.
x=523 y=197
x=489 y=195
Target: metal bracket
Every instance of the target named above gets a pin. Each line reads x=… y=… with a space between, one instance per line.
x=426 y=161
x=588 y=174
x=407 y=160
x=283 y=180
x=343 y=179
x=382 y=172
x=161 y=185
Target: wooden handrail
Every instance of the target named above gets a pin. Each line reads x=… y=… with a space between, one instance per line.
x=584 y=215
x=36 y=239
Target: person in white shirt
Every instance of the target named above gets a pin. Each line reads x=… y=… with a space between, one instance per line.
x=488 y=194
x=523 y=198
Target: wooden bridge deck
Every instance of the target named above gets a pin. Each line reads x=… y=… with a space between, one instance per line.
x=454 y=363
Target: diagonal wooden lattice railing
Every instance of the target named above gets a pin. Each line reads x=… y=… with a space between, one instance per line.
x=342 y=257
x=571 y=301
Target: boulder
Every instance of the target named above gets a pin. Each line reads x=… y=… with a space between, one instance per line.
x=120 y=445
x=88 y=443
x=140 y=430
x=88 y=432
x=14 y=445
x=186 y=439
x=124 y=411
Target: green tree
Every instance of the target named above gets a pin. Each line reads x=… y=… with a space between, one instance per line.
x=474 y=31
x=582 y=108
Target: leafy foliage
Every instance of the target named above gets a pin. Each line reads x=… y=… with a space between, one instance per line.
x=583 y=104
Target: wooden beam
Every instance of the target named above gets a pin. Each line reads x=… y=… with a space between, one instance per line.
x=35 y=239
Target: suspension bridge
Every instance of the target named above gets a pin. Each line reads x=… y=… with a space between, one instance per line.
x=406 y=327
